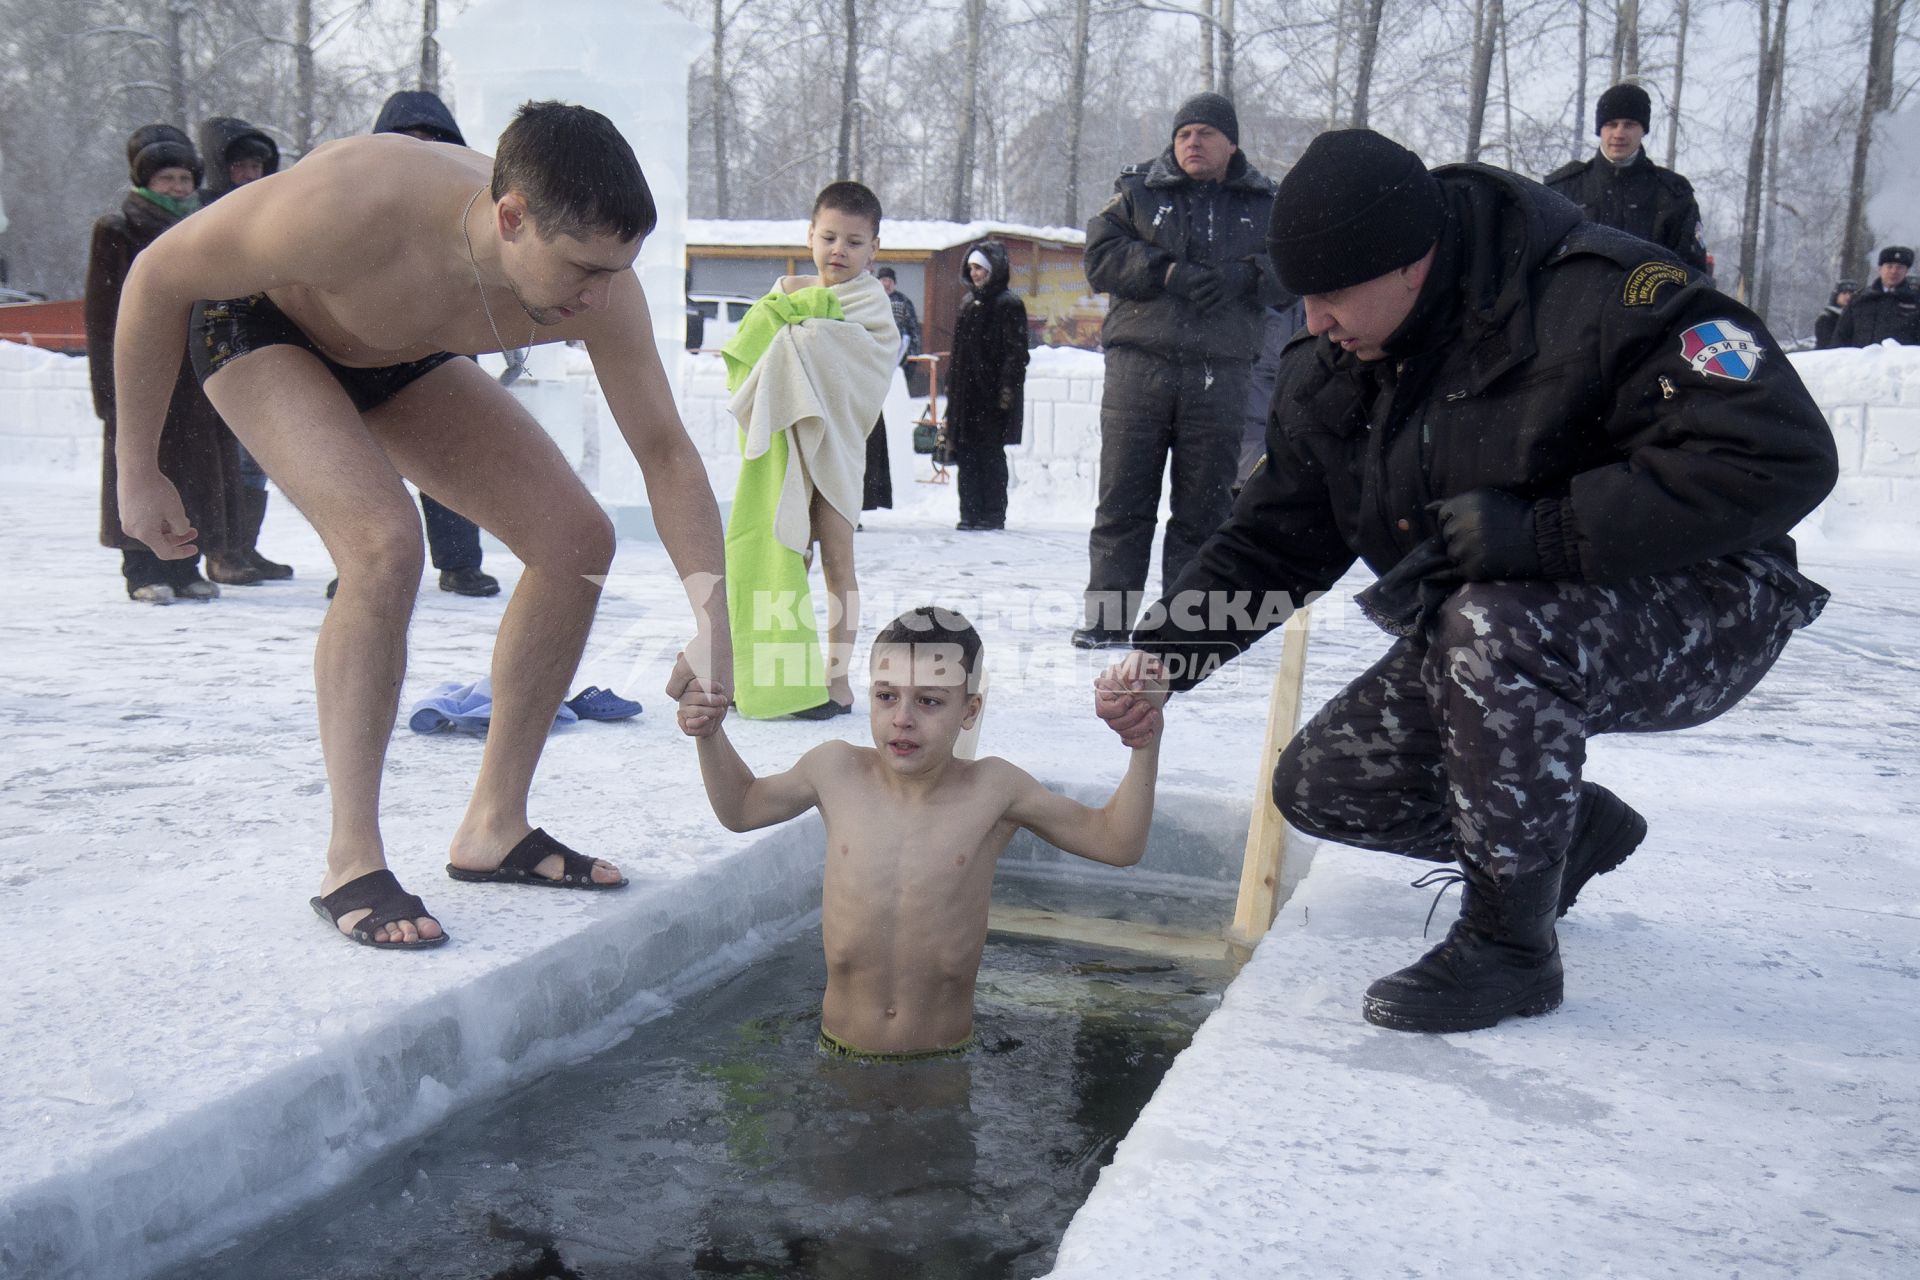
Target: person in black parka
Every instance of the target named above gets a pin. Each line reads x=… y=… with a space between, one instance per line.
x=1828 y=320
x=236 y=154
x=1575 y=465
x=197 y=452
x=1180 y=249
x=987 y=383
x=1622 y=187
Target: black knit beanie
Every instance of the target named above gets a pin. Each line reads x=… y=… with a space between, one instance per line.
x=1356 y=206
x=1896 y=253
x=164 y=154
x=1209 y=109
x=1623 y=102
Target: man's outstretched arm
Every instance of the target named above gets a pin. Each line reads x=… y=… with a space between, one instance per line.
x=627 y=363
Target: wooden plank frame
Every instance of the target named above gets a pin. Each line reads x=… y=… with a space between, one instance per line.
x=1267 y=834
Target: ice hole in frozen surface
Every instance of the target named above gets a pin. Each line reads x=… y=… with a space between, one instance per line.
x=716 y=1141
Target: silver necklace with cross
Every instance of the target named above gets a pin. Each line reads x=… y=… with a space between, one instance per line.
x=516 y=357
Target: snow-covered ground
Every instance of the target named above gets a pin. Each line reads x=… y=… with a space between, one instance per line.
x=1733 y=1087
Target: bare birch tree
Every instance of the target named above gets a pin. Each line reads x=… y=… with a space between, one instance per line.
x=1077 y=104
x=1771 y=193
x=1370 y=16
x=960 y=208
x=849 y=88
x=1580 y=79
x=1772 y=32
x=1684 y=12
x=1626 y=40
x=1487 y=21
x=1883 y=35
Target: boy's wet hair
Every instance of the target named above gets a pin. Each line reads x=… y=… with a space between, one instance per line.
x=848 y=197
x=930 y=625
x=577 y=174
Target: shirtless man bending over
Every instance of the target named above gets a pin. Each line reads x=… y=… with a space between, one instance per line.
x=349 y=283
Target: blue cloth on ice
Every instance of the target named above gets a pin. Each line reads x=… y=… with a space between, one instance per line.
x=463 y=708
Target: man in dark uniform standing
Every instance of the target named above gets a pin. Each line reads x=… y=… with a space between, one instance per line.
x=1622 y=187
x=1575 y=465
x=1180 y=248
x=1889 y=308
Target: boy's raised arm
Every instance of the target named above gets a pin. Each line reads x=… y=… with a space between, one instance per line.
x=741 y=801
x=1115 y=833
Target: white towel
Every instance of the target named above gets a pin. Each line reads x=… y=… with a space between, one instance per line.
x=823 y=381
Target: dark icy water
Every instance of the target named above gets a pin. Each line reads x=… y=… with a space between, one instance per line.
x=717 y=1142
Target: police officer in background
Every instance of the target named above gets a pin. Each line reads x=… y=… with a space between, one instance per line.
x=1575 y=465
x=1890 y=307
x=1621 y=187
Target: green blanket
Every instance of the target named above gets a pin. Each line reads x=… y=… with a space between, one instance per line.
x=778 y=667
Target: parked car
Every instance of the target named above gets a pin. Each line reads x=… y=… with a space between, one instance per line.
x=720 y=314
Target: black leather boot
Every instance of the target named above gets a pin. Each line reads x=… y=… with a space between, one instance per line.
x=253 y=512
x=1608 y=831
x=1500 y=958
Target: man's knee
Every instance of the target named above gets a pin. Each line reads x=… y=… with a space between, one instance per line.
x=579 y=541
x=1480 y=611
x=384 y=550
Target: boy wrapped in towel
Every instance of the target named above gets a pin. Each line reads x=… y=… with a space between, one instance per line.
x=808 y=370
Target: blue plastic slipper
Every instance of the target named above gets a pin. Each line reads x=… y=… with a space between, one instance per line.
x=595 y=703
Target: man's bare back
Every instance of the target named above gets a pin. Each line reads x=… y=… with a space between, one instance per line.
x=913 y=837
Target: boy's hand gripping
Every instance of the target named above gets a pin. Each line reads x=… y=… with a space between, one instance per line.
x=702 y=703
x=1130 y=696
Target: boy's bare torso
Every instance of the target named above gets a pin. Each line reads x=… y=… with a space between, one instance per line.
x=391 y=280
x=904 y=914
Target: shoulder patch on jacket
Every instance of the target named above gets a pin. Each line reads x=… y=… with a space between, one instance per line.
x=1722 y=349
x=1644 y=282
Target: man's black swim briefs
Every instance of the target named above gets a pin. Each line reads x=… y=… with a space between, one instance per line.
x=222 y=332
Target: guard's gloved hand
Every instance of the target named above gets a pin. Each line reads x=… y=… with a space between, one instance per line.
x=1239 y=281
x=1199 y=285
x=1493 y=535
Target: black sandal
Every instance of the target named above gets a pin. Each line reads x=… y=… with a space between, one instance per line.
x=517 y=867
x=389 y=904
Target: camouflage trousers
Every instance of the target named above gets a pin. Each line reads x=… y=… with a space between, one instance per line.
x=1466 y=741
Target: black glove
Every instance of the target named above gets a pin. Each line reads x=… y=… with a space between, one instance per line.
x=1239 y=281
x=1493 y=535
x=1201 y=286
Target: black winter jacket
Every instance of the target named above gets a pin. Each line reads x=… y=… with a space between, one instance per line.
x=1641 y=199
x=1878 y=313
x=1159 y=216
x=988 y=374
x=217 y=136
x=1562 y=362
x=1824 y=325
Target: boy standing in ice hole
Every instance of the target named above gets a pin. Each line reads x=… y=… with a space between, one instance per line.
x=808 y=370
x=913 y=835
x=323 y=308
